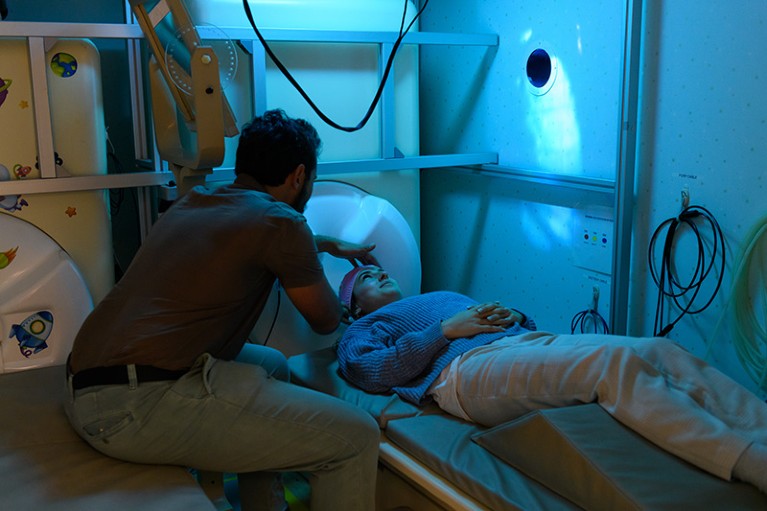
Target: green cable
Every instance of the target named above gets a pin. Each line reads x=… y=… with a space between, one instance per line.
x=749 y=289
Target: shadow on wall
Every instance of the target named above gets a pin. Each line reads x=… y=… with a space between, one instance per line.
x=494 y=211
x=645 y=169
x=466 y=106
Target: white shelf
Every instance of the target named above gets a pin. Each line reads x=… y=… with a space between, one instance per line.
x=131 y=31
x=158 y=178
x=39 y=35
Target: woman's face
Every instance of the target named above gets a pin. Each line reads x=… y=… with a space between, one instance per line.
x=373 y=289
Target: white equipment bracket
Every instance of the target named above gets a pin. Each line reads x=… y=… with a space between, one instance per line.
x=196 y=145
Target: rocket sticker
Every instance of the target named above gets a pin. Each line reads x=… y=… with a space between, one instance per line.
x=7 y=257
x=33 y=332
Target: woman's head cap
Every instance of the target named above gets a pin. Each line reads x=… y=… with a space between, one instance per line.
x=346 y=289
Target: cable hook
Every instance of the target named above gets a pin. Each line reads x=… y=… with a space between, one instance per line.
x=685 y=198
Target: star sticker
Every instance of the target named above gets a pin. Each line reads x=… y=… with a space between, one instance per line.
x=71 y=211
x=23 y=104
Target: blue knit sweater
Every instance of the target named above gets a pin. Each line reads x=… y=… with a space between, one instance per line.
x=400 y=347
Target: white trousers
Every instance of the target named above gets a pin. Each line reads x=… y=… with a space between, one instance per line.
x=651 y=385
x=235 y=417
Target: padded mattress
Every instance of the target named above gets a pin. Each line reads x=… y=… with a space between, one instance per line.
x=439 y=441
x=569 y=458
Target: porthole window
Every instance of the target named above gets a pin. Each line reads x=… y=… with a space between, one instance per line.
x=541 y=71
x=539 y=67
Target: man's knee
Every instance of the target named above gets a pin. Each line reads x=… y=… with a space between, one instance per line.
x=359 y=429
x=369 y=434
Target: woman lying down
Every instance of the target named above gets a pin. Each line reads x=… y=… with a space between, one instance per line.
x=488 y=364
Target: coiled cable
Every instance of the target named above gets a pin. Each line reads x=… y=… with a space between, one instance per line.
x=669 y=285
x=582 y=319
x=590 y=320
x=749 y=291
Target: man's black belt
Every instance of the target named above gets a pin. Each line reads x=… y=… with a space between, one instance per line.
x=118 y=375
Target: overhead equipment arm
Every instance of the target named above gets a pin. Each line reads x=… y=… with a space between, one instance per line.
x=190 y=113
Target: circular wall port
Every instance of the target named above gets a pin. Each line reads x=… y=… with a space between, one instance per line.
x=541 y=71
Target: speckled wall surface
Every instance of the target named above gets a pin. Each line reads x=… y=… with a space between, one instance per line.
x=505 y=239
x=478 y=99
x=703 y=129
x=496 y=239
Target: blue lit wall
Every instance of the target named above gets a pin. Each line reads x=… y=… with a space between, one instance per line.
x=480 y=99
x=703 y=129
x=497 y=238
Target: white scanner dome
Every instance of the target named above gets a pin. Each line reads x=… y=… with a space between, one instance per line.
x=349 y=213
x=43 y=298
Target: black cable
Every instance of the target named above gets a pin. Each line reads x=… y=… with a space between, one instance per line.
x=580 y=321
x=116 y=195
x=668 y=284
x=306 y=97
x=276 y=313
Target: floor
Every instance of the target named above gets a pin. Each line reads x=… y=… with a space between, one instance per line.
x=296 y=493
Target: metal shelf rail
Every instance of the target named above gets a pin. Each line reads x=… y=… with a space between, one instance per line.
x=40 y=35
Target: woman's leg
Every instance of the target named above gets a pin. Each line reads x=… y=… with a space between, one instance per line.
x=713 y=390
x=272 y=360
x=506 y=379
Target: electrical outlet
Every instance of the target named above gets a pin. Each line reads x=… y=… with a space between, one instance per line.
x=593 y=241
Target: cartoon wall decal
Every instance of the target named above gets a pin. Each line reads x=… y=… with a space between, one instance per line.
x=21 y=171
x=10 y=203
x=33 y=332
x=64 y=65
x=4 y=86
x=59 y=162
x=71 y=211
x=7 y=257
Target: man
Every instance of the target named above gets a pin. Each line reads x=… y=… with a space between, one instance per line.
x=485 y=363
x=152 y=371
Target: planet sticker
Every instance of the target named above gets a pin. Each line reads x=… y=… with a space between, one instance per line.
x=64 y=65
x=4 y=86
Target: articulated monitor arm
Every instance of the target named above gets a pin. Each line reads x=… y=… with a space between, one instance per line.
x=190 y=124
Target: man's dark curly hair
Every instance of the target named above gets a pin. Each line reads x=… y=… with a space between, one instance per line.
x=273 y=145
